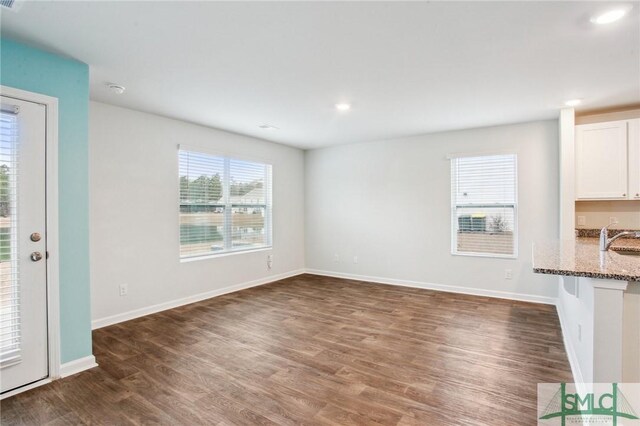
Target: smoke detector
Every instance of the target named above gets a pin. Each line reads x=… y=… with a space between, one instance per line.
x=115 y=88
x=268 y=127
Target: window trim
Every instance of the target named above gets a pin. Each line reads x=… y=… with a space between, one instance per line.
x=454 y=206
x=187 y=259
x=268 y=206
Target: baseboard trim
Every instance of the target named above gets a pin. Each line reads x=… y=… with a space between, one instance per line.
x=78 y=365
x=148 y=310
x=439 y=287
x=570 y=350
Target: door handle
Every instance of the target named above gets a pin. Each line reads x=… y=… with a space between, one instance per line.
x=36 y=256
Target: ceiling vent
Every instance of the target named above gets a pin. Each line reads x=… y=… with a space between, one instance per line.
x=10 y=4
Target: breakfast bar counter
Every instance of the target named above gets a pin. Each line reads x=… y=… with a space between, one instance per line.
x=582 y=258
x=598 y=305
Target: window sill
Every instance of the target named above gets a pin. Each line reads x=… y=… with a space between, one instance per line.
x=188 y=259
x=489 y=255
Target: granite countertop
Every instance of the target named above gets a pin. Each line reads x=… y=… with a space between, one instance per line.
x=582 y=258
x=622 y=244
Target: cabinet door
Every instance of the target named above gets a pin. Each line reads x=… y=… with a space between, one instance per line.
x=634 y=159
x=601 y=161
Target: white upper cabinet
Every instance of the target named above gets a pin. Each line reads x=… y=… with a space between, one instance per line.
x=634 y=159
x=602 y=161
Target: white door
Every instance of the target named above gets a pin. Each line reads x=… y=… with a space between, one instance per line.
x=601 y=161
x=23 y=264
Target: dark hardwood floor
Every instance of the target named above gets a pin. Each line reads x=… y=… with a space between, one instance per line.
x=314 y=350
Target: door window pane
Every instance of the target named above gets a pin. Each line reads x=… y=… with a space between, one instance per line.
x=9 y=274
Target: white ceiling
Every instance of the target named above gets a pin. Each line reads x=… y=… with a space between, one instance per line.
x=407 y=67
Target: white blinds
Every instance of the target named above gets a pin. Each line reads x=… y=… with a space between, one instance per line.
x=225 y=204
x=484 y=205
x=9 y=283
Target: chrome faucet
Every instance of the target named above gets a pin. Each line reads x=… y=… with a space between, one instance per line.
x=605 y=241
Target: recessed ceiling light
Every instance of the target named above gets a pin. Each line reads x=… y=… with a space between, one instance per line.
x=343 y=107
x=115 y=88
x=611 y=15
x=573 y=102
x=268 y=127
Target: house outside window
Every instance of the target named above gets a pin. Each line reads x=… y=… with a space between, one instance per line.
x=225 y=204
x=484 y=205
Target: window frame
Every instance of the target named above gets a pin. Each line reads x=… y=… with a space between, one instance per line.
x=454 y=207
x=227 y=206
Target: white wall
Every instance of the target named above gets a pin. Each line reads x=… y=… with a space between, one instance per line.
x=575 y=309
x=600 y=329
x=631 y=334
x=388 y=203
x=134 y=212
x=567 y=181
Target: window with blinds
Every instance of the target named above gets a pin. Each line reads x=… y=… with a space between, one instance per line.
x=9 y=283
x=225 y=204
x=484 y=205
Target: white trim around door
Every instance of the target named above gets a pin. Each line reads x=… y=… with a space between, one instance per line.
x=53 y=262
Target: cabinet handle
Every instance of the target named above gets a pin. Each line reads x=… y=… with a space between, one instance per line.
x=624 y=195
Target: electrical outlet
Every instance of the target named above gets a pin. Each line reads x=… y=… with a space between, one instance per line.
x=579 y=332
x=269 y=261
x=508 y=274
x=582 y=220
x=124 y=289
x=336 y=258
x=355 y=259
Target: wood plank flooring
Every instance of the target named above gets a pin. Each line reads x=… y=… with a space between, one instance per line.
x=313 y=350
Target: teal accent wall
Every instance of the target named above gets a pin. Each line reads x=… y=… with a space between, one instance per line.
x=27 y=68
